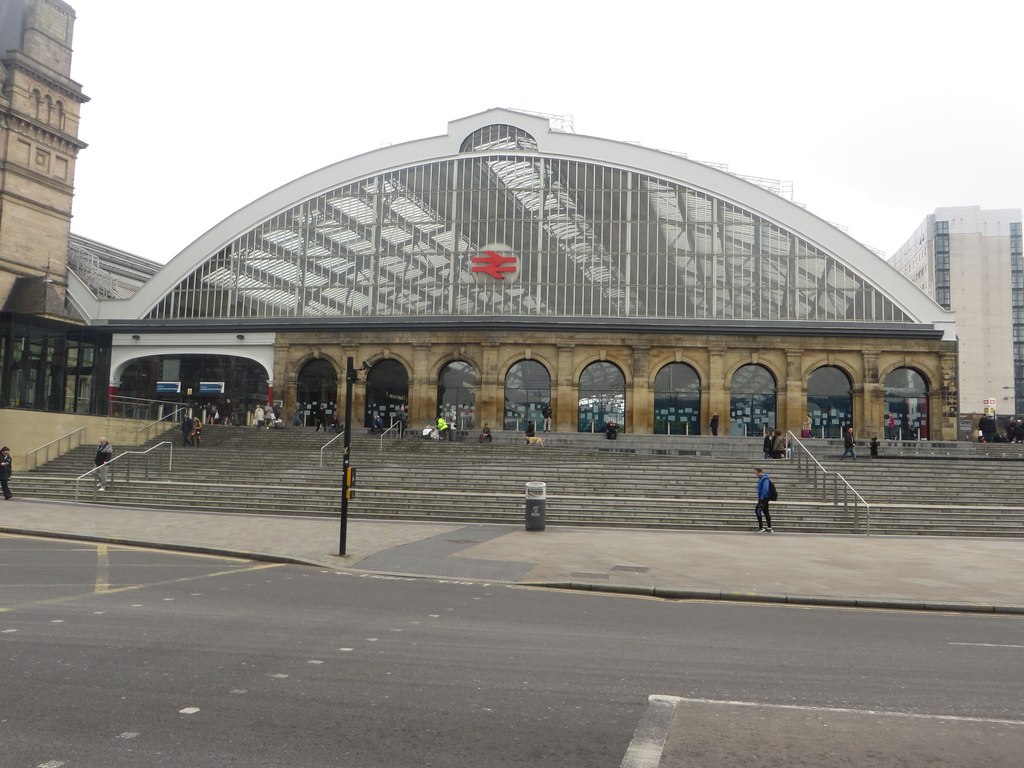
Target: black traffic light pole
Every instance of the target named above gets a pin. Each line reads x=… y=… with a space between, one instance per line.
x=351 y=376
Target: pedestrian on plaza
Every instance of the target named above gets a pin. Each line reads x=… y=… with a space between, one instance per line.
x=531 y=431
x=259 y=416
x=485 y=434
x=227 y=412
x=186 y=431
x=6 y=466
x=890 y=426
x=321 y=418
x=546 y=413
x=196 y=435
x=714 y=424
x=403 y=420
x=766 y=444
x=805 y=429
x=765 y=487
x=104 y=453
x=779 y=447
x=849 y=445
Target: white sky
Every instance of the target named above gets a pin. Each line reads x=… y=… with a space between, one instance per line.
x=878 y=112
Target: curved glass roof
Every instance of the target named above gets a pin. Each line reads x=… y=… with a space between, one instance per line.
x=502 y=228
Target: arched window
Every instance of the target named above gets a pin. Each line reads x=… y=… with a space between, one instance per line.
x=602 y=397
x=906 y=396
x=677 y=400
x=752 y=405
x=527 y=391
x=60 y=115
x=829 y=402
x=37 y=102
x=387 y=388
x=48 y=109
x=317 y=386
x=456 y=394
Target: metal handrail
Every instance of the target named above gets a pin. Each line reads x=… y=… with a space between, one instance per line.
x=802 y=462
x=128 y=470
x=340 y=434
x=47 y=446
x=180 y=409
x=396 y=428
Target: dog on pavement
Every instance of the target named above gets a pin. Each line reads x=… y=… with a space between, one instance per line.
x=537 y=440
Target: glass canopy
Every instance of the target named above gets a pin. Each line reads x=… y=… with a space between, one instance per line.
x=504 y=230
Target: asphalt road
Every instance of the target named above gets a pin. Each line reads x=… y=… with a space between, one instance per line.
x=112 y=656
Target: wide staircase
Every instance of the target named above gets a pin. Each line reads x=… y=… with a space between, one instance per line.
x=698 y=483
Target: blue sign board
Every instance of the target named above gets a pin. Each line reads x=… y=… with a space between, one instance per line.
x=168 y=387
x=211 y=387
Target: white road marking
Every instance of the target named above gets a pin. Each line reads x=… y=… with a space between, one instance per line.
x=57 y=621
x=188 y=711
x=314 y=661
x=127 y=735
x=346 y=649
x=280 y=676
x=989 y=645
x=4 y=632
x=53 y=764
x=849 y=711
x=651 y=732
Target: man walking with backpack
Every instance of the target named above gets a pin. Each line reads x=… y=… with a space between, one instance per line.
x=765 y=493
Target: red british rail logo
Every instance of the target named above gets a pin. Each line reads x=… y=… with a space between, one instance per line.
x=494 y=264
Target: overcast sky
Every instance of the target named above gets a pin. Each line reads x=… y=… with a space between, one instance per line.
x=877 y=112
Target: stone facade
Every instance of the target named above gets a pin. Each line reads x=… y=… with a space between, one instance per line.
x=790 y=359
x=39 y=117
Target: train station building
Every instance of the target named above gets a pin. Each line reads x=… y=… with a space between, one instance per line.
x=510 y=264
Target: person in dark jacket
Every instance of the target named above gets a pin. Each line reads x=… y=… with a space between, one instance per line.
x=763 y=497
x=104 y=453
x=186 y=431
x=714 y=425
x=321 y=418
x=849 y=445
x=6 y=466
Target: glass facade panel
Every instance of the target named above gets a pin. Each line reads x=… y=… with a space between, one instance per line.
x=456 y=395
x=47 y=365
x=752 y=403
x=602 y=397
x=503 y=230
x=829 y=402
x=387 y=388
x=677 y=400
x=906 y=396
x=527 y=391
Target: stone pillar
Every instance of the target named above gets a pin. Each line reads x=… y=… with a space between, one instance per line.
x=490 y=396
x=422 y=391
x=946 y=401
x=795 y=396
x=715 y=392
x=869 y=415
x=640 y=406
x=566 y=415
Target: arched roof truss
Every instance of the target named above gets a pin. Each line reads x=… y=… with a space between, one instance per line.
x=594 y=229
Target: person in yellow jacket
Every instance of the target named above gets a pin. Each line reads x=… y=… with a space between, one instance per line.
x=444 y=432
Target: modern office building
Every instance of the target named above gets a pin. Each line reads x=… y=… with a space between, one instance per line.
x=509 y=264
x=970 y=261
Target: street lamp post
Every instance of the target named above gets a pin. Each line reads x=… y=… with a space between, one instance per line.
x=351 y=377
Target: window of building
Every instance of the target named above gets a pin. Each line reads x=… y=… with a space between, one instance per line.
x=527 y=391
x=677 y=400
x=602 y=397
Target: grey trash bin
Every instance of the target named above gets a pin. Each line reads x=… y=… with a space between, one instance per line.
x=536 y=502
